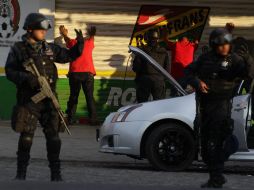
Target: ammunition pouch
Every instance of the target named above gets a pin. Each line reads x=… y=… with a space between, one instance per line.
x=22 y=120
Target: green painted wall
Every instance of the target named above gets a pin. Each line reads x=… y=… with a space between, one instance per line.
x=109 y=96
x=7 y=98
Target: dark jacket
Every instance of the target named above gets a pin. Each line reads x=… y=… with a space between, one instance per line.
x=142 y=67
x=219 y=73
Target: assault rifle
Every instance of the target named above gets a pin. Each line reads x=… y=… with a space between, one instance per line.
x=45 y=91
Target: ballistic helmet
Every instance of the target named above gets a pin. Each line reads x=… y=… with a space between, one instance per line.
x=219 y=37
x=36 y=21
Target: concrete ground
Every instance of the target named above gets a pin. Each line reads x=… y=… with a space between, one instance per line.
x=85 y=168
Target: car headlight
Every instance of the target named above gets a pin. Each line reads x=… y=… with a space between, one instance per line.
x=122 y=115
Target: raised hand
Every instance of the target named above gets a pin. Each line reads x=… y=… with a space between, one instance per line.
x=63 y=31
x=91 y=31
x=79 y=35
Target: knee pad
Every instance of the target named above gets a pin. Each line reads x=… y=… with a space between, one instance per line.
x=25 y=142
x=216 y=152
x=27 y=139
x=53 y=148
x=53 y=143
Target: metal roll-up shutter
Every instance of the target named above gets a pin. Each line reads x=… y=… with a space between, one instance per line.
x=115 y=20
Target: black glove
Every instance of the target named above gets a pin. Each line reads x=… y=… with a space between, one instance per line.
x=80 y=40
x=79 y=36
x=243 y=52
x=33 y=81
x=91 y=31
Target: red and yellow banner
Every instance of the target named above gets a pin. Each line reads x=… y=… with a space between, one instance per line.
x=177 y=21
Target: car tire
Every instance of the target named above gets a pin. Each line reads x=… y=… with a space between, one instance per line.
x=170 y=147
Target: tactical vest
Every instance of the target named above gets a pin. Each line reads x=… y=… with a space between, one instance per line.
x=217 y=75
x=44 y=61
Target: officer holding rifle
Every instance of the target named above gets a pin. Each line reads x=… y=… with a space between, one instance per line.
x=30 y=66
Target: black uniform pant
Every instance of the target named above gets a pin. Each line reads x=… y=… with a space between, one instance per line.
x=86 y=81
x=146 y=85
x=45 y=113
x=216 y=126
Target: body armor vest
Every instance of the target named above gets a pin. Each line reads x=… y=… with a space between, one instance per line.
x=44 y=61
x=216 y=73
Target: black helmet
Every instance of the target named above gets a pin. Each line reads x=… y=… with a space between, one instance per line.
x=219 y=36
x=152 y=38
x=36 y=21
x=151 y=34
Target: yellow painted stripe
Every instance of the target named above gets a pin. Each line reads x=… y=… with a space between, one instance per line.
x=2 y=70
x=102 y=73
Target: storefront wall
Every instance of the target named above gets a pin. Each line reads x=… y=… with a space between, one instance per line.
x=115 y=21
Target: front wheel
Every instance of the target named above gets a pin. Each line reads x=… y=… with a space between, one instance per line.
x=170 y=147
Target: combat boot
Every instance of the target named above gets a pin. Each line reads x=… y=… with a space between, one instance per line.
x=56 y=176
x=20 y=176
x=215 y=182
x=55 y=170
x=22 y=164
x=21 y=173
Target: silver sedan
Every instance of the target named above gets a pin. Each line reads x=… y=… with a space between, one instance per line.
x=163 y=132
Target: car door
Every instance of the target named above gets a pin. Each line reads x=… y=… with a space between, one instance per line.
x=241 y=114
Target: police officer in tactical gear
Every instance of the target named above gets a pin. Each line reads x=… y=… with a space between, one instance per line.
x=214 y=77
x=26 y=114
x=149 y=80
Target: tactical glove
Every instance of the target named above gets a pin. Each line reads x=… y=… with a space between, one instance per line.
x=243 y=52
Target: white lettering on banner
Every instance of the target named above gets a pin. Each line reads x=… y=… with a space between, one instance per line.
x=117 y=96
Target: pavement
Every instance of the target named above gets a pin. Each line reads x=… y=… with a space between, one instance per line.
x=83 y=167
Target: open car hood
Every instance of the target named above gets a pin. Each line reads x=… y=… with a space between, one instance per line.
x=159 y=68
